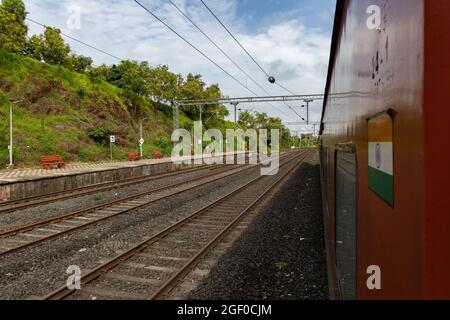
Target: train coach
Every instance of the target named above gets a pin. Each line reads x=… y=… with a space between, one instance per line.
x=385 y=150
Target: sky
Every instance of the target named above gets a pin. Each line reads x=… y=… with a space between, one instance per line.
x=290 y=39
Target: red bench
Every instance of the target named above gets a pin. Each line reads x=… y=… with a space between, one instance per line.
x=133 y=156
x=52 y=161
x=157 y=155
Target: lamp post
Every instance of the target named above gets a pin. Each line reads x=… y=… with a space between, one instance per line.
x=10 y=147
x=141 y=140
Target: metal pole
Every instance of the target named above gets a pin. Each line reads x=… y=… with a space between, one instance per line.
x=176 y=123
x=110 y=150
x=10 y=135
x=308 y=101
x=235 y=104
x=307 y=112
x=140 y=144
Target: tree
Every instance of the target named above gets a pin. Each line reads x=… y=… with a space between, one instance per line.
x=101 y=72
x=257 y=120
x=193 y=88
x=33 y=47
x=53 y=49
x=80 y=63
x=13 y=30
x=16 y=7
x=130 y=76
x=163 y=84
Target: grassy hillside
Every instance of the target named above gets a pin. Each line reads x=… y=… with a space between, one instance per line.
x=67 y=113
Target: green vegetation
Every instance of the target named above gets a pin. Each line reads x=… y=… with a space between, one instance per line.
x=62 y=112
x=281 y=266
x=259 y=120
x=63 y=105
x=13 y=30
x=307 y=141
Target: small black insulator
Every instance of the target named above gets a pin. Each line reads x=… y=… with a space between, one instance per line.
x=271 y=79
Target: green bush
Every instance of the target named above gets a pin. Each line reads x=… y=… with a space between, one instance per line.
x=100 y=134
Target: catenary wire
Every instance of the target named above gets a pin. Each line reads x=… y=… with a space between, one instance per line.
x=194 y=47
x=79 y=41
x=224 y=53
x=242 y=47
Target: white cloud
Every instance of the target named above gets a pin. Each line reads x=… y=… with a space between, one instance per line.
x=295 y=55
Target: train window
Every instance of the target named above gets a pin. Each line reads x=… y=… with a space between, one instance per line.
x=346 y=223
x=324 y=160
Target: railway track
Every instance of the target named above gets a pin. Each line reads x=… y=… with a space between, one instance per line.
x=153 y=268
x=24 y=203
x=33 y=234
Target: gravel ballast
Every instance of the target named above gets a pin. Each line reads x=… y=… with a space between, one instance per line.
x=282 y=253
x=34 y=214
x=38 y=270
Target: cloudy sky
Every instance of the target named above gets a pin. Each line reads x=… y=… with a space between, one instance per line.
x=289 y=38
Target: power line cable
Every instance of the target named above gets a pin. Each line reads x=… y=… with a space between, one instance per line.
x=79 y=41
x=107 y=53
x=223 y=52
x=194 y=47
x=284 y=88
x=245 y=50
x=237 y=41
x=217 y=46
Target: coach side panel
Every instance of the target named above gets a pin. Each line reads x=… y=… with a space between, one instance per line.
x=377 y=82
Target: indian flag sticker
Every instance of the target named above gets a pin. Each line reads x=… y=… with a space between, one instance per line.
x=381 y=157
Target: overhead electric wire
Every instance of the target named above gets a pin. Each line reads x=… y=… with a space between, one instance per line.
x=243 y=48
x=217 y=46
x=229 y=58
x=284 y=88
x=79 y=41
x=237 y=41
x=223 y=52
x=121 y=59
x=194 y=47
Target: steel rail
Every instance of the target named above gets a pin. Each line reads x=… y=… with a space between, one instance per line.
x=10 y=206
x=23 y=229
x=64 y=291
x=171 y=283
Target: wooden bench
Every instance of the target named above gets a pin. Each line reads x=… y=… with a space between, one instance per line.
x=133 y=156
x=157 y=155
x=52 y=161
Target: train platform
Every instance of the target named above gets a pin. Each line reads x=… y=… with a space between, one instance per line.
x=26 y=183
x=16 y=175
x=20 y=175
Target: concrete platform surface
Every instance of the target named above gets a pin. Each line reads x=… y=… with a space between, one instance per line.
x=22 y=175
x=17 y=175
